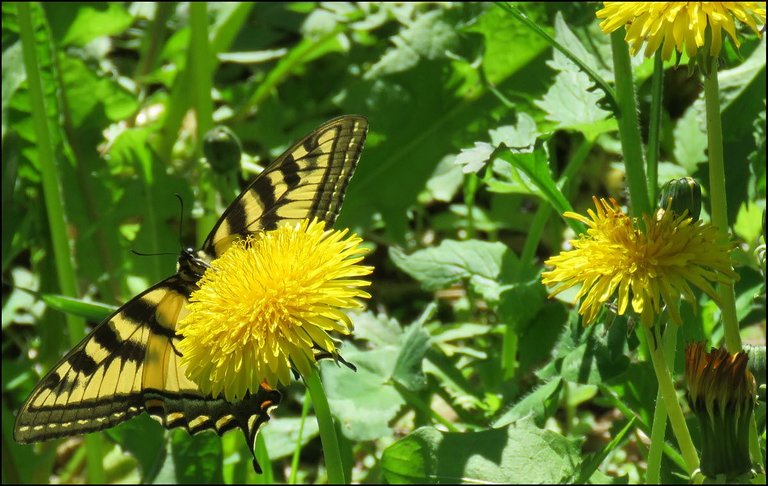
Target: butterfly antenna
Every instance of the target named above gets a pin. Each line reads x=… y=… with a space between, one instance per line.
x=150 y=254
x=181 y=219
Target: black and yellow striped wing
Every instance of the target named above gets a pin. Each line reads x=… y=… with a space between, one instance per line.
x=130 y=363
x=307 y=181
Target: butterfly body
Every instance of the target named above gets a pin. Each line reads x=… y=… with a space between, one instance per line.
x=130 y=363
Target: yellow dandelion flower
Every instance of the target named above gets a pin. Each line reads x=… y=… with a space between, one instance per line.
x=648 y=268
x=267 y=303
x=679 y=25
x=721 y=392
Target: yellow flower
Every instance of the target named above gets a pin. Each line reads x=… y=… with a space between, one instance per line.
x=266 y=303
x=679 y=24
x=648 y=269
x=721 y=392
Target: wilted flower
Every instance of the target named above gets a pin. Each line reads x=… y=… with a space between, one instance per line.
x=648 y=268
x=267 y=304
x=678 y=25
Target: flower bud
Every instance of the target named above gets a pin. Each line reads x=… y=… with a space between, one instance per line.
x=721 y=392
x=678 y=195
x=222 y=149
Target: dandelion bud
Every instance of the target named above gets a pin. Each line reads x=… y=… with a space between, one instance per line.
x=222 y=149
x=678 y=195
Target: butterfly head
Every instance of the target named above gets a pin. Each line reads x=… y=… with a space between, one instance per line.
x=192 y=264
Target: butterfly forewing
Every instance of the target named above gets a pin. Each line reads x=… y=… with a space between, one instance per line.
x=307 y=181
x=130 y=362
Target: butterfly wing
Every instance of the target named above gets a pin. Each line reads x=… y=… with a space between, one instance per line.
x=308 y=180
x=129 y=364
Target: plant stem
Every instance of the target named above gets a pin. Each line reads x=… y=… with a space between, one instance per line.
x=659 y=426
x=654 y=127
x=297 y=451
x=718 y=202
x=330 y=442
x=629 y=130
x=667 y=389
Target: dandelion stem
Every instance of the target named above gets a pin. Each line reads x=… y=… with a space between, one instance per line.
x=654 y=127
x=667 y=388
x=297 y=451
x=659 y=426
x=719 y=205
x=330 y=442
x=629 y=129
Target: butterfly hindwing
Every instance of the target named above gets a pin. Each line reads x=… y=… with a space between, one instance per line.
x=308 y=180
x=100 y=382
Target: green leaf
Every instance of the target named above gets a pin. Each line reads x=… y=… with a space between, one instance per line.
x=452 y=261
x=522 y=454
x=197 y=459
x=88 y=92
x=474 y=159
x=690 y=139
x=500 y=31
x=93 y=311
x=429 y=36
x=378 y=329
x=444 y=182
x=13 y=77
x=571 y=101
x=88 y=21
x=281 y=435
x=364 y=401
x=143 y=438
x=408 y=372
x=535 y=166
x=539 y=405
x=520 y=302
x=590 y=465
x=592 y=357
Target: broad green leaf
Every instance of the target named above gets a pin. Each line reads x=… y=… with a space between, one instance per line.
x=594 y=357
x=500 y=31
x=79 y=24
x=572 y=102
x=690 y=139
x=364 y=401
x=453 y=261
x=281 y=435
x=88 y=91
x=515 y=454
x=520 y=302
x=408 y=372
x=538 y=405
x=474 y=159
x=379 y=329
x=430 y=36
x=444 y=182
x=196 y=458
x=143 y=438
